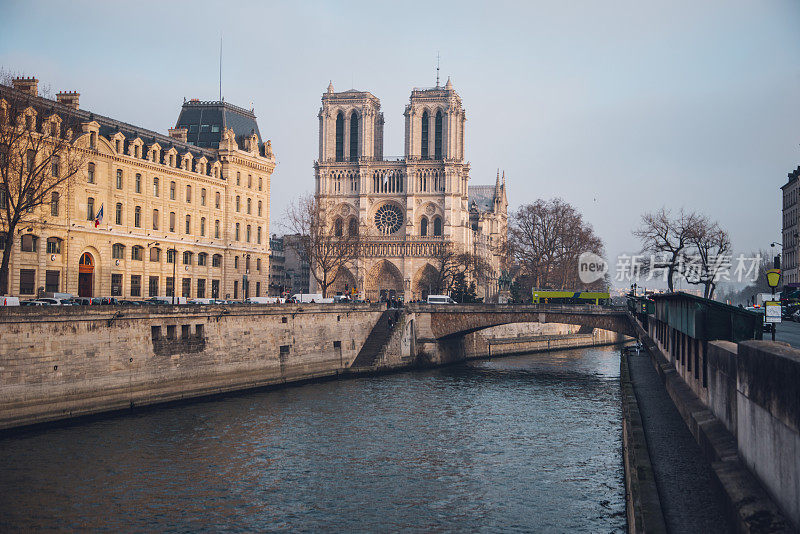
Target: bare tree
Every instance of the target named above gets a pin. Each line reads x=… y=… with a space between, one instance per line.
x=546 y=240
x=328 y=246
x=38 y=161
x=711 y=247
x=667 y=237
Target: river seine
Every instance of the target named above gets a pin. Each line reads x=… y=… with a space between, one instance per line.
x=527 y=443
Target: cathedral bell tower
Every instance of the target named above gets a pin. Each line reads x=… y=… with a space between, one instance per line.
x=435 y=124
x=350 y=126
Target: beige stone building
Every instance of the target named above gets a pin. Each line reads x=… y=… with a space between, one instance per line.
x=194 y=203
x=406 y=207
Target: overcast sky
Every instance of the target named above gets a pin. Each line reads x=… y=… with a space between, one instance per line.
x=618 y=107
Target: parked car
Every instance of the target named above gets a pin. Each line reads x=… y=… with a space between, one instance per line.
x=54 y=302
x=33 y=302
x=82 y=301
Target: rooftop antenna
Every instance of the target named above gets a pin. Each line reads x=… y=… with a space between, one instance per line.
x=437 y=69
x=220 y=67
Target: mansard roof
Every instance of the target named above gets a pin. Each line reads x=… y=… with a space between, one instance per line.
x=482 y=196
x=206 y=122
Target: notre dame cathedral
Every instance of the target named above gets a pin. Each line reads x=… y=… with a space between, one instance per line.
x=405 y=208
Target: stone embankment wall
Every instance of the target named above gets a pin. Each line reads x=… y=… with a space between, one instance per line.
x=742 y=404
x=535 y=337
x=68 y=362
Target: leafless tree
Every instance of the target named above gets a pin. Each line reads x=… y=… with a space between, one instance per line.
x=668 y=238
x=328 y=247
x=711 y=248
x=38 y=161
x=546 y=240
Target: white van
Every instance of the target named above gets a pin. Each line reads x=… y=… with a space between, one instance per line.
x=306 y=298
x=265 y=300
x=9 y=301
x=440 y=299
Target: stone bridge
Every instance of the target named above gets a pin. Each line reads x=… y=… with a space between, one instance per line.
x=435 y=332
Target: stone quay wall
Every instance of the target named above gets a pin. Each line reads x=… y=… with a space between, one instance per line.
x=72 y=361
x=535 y=337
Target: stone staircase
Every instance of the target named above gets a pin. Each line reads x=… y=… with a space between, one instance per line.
x=377 y=339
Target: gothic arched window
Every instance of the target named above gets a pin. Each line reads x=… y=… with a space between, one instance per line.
x=437 y=226
x=352 y=226
x=425 y=125
x=423 y=226
x=337 y=227
x=437 y=136
x=340 y=137
x=353 y=137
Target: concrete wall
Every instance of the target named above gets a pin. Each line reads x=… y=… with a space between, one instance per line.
x=754 y=389
x=74 y=361
x=534 y=337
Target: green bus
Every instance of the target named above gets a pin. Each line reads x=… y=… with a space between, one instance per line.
x=570 y=297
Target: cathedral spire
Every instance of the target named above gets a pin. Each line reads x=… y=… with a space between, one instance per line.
x=330 y=87
x=449 y=84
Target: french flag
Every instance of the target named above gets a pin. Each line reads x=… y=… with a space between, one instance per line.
x=99 y=217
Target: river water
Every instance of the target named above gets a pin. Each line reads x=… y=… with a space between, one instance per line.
x=522 y=443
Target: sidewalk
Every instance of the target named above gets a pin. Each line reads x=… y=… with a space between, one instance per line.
x=691 y=500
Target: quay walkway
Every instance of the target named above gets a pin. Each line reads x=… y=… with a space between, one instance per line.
x=691 y=499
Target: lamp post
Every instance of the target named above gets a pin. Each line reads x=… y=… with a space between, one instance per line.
x=773 y=279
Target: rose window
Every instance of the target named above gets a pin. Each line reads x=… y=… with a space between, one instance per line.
x=388 y=219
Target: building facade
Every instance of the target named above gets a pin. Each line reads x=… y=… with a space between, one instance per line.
x=297 y=270
x=183 y=212
x=405 y=208
x=277 y=267
x=790 y=229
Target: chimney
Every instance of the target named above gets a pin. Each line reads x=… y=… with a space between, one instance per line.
x=179 y=133
x=27 y=85
x=69 y=98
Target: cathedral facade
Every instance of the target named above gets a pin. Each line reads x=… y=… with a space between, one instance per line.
x=406 y=209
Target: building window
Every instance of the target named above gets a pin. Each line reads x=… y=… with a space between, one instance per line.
x=186 y=287
x=201 y=288
x=51 y=281
x=354 y=136
x=138 y=183
x=216 y=229
x=155 y=187
x=236 y=262
x=248 y=233
x=155 y=254
x=437 y=226
x=260 y=183
x=214 y=289
x=187 y=258
x=90 y=175
x=90 y=209
x=238 y=178
x=423 y=226
x=216 y=200
x=202 y=259
x=258 y=235
x=136 y=252
x=352 y=226
x=216 y=260
x=137 y=216
x=54 y=197
x=171 y=255
x=236 y=289
x=172 y=221
x=152 y=286
x=27 y=281
x=249 y=181
x=119 y=178
x=203 y=196
x=31 y=161
x=172 y=190
x=116 y=285
x=249 y=206
x=202 y=226
x=136 y=285
x=339 y=137
x=424 y=147
x=53 y=245
x=259 y=208
x=155 y=219
x=118 y=251
x=437 y=136
x=188 y=194
x=118 y=214
x=258 y=264
x=170 y=290
x=337 y=227
x=237 y=232
x=188 y=224
x=54 y=163
x=238 y=203
x=29 y=243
